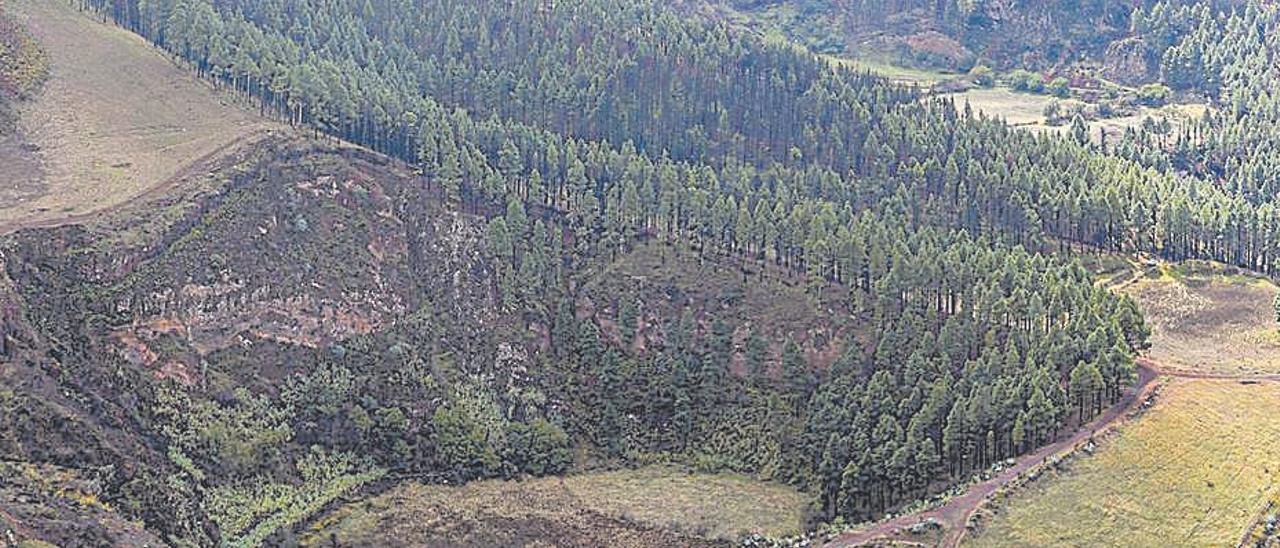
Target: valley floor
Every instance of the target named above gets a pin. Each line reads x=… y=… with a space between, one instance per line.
x=652 y=506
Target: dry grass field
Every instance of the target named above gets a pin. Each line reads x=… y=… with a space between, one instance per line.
x=655 y=506
x=1209 y=319
x=1194 y=471
x=1026 y=110
x=903 y=75
x=1014 y=107
x=723 y=506
x=115 y=119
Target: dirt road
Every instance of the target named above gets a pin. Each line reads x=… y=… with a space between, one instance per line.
x=955 y=513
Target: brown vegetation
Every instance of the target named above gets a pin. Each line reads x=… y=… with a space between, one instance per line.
x=1207 y=319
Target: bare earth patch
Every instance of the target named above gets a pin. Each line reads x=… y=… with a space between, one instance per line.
x=1210 y=322
x=115 y=119
x=1194 y=471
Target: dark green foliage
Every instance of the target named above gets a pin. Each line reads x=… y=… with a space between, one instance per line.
x=538 y=448
x=683 y=131
x=461 y=445
x=1023 y=80
x=579 y=129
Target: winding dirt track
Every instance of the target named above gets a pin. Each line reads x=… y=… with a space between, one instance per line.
x=954 y=514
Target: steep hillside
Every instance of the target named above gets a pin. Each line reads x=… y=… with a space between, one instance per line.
x=1043 y=35
x=307 y=320
x=147 y=352
x=615 y=237
x=115 y=119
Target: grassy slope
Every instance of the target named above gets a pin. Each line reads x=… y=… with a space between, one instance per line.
x=719 y=505
x=647 y=507
x=115 y=119
x=1193 y=472
x=1210 y=320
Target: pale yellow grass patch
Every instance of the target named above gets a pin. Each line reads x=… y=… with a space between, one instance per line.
x=656 y=505
x=718 y=505
x=116 y=118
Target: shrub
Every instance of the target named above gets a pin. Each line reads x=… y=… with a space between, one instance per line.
x=1059 y=87
x=982 y=75
x=1023 y=80
x=1154 y=94
x=460 y=445
x=539 y=448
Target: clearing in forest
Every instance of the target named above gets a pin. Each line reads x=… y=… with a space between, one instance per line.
x=1027 y=110
x=1194 y=471
x=115 y=119
x=1016 y=108
x=1209 y=319
x=653 y=506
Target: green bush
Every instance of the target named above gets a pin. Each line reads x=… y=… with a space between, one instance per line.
x=1059 y=87
x=1023 y=80
x=982 y=75
x=538 y=448
x=461 y=446
x=1154 y=94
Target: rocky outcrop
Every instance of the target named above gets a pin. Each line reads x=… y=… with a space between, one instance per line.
x=1129 y=62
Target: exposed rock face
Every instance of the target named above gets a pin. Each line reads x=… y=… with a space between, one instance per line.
x=311 y=296
x=1127 y=61
x=298 y=251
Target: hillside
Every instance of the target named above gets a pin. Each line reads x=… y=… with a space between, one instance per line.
x=114 y=119
x=302 y=265
x=1038 y=35
x=476 y=273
